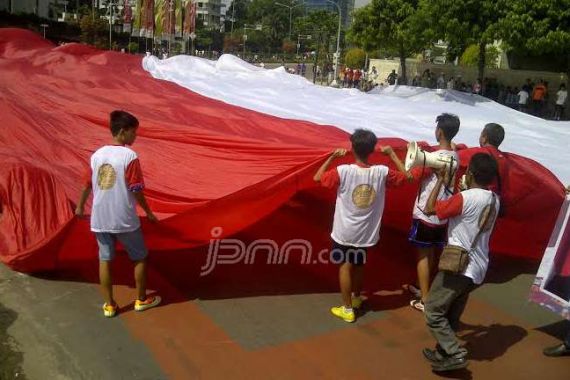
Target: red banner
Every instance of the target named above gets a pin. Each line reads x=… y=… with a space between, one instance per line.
x=168 y=22
x=190 y=18
x=127 y=13
x=147 y=18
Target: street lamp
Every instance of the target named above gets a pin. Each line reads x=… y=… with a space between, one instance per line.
x=170 y=11
x=299 y=37
x=337 y=53
x=112 y=8
x=250 y=27
x=44 y=26
x=290 y=13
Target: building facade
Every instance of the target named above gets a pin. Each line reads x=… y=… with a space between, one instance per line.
x=210 y=12
x=40 y=8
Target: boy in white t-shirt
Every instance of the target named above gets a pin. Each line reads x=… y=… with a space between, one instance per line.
x=428 y=232
x=361 y=188
x=472 y=214
x=117 y=183
x=523 y=96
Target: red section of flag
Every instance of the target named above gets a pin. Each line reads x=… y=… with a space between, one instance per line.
x=208 y=165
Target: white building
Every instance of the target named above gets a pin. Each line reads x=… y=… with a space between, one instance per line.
x=210 y=12
x=38 y=7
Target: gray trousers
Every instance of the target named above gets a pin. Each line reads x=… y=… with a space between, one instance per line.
x=444 y=305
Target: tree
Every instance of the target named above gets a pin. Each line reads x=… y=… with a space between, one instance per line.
x=239 y=14
x=355 y=58
x=470 y=56
x=537 y=27
x=94 y=31
x=388 y=24
x=462 y=23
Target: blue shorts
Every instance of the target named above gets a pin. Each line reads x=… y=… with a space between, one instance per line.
x=424 y=236
x=341 y=254
x=133 y=243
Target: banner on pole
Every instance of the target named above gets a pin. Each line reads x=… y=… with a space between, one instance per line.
x=551 y=287
x=147 y=19
x=189 y=18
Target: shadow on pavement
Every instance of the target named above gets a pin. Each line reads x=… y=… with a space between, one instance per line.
x=10 y=358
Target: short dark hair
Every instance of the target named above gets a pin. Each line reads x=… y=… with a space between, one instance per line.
x=449 y=125
x=484 y=168
x=363 y=143
x=495 y=134
x=122 y=120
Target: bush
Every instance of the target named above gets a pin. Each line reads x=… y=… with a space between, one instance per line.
x=288 y=46
x=470 y=56
x=355 y=58
x=133 y=48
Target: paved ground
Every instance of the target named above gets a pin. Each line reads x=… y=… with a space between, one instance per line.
x=52 y=328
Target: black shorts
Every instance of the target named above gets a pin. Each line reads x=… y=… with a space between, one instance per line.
x=425 y=236
x=341 y=254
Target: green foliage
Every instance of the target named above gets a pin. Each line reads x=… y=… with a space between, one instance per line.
x=470 y=56
x=536 y=27
x=462 y=23
x=355 y=58
x=322 y=26
x=94 y=31
x=239 y=13
x=387 y=25
x=133 y=47
x=392 y=26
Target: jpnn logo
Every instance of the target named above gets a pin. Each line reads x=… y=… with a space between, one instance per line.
x=235 y=251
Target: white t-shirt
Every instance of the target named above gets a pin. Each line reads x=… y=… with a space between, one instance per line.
x=115 y=176
x=523 y=97
x=464 y=211
x=561 y=96
x=359 y=201
x=426 y=187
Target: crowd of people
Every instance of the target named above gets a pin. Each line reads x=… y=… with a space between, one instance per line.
x=531 y=97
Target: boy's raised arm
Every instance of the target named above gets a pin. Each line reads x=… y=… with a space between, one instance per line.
x=389 y=151
x=336 y=153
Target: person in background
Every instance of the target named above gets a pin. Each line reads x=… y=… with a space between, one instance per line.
x=538 y=96
x=561 y=97
x=392 y=78
x=523 y=96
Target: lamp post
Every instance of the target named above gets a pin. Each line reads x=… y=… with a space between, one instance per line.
x=337 y=53
x=111 y=6
x=170 y=9
x=301 y=37
x=250 y=27
x=44 y=26
x=290 y=7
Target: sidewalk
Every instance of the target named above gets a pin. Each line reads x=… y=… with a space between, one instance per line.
x=57 y=331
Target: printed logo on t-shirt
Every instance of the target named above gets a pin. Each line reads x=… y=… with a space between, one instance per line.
x=106 y=177
x=363 y=196
x=487 y=218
